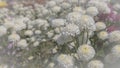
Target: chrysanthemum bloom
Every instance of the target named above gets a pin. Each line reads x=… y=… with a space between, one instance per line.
x=92 y=11
x=71 y=29
x=58 y=22
x=116 y=50
x=95 y=64
x=14 y=37
x=86 y=22
x=114 y=36
x=3 y=30
x=22 y=43
x=111 y=58
x=86 y=52
x=73 y=17
x=100 y=26
x=65 y=61
x=103 y=35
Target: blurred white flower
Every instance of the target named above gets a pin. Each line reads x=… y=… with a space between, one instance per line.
x=51 y=4
x=65 y=61
x=22 y=43
x=100 y=26
x=116 y=50
x=103 y=35
x=87 y=22
x=3 y=30
x=73 y=17
x=65 y=5
x=56 y=9
x=114 y=36
x=79 y=9
x=86 y=52
x=28 y=33
x=58 y=23
x=71 y=29
x=116 y=7
x=95 y=64
x=92 y=11
x=111 y=58
x=14 y=37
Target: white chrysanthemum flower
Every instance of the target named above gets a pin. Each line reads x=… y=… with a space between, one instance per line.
x=86 y=52
x=74 y=2
x=8 y=24
x=19 y=26
x=116 y=7
x=56 y=9
x=50 y=34
x=95 y=64
x=103 y=35
x=116 y=50
x=65 y=61
x=3 y=30
x=100 y=26
x=22 y=43
x=71 y=29
x=114 y=36
x=65 y=5
x=61 y=39
x=14 y=37
x=41 y=23
x=102 y=6
x=51 y=4
x=28 y=33
x=58 y=23
x=111 y=58
x=87 y=22
x=38 y=32
x=51 y=65
x=79 y=9
x=59 y=1
x=73 y=17
x=36 y=43
x=92 y=11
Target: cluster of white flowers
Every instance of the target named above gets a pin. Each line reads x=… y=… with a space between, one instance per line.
x=69 y=23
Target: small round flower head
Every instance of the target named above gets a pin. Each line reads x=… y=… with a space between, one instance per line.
x=116 y=7
x=111 y=58
x=65 y=61
x=87 y=22
x=58 y=23
x=19 y=26
x=95 y=64
x=8 y=24
x=3 y=31
x=50 y=34
x=92 y=11
x=103 y=35
x=51 y=65
x=86 y=52
x=14 y=37
x=65 y=5
x=74 y=2
x=37 y=32
x=71 y=29
x=28 y=33
x=36 y=43
x=114 y=36
x=73 y=17
x=79 y=9
x=51 y=4
x=56 y=9
x=116 y=50
x=22 y=43
x=100 y=26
